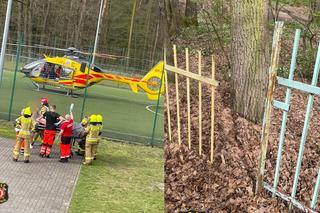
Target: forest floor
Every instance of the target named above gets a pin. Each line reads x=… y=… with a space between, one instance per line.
x=228 y=184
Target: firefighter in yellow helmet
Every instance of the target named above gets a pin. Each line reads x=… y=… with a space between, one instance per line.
x=100 y=125
x=26 y=126
x=92 y=131
x=17 y=129
x=85 y=121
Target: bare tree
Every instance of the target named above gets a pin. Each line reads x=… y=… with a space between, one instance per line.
x=249 y=53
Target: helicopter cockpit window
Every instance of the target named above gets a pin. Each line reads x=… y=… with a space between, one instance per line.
x=35 y=68
x=45 y=70
x=96 y=69
x=66 y=73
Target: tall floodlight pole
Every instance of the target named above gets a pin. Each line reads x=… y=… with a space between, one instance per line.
x=97 y=33
x=4 y=38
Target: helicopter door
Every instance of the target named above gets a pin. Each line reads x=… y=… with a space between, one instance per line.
x=66 y=73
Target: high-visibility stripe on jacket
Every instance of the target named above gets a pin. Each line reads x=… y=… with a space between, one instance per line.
x=26 y=126
x=93 y=133
x=43 y=109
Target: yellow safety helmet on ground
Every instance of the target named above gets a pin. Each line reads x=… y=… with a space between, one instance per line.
x=27 y=111
x=93 y=118
x=99 y=118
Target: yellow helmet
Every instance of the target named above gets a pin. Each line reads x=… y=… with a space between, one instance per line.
x=27 y=111
x=99 y=118
x=93 y=118
x=84 y=121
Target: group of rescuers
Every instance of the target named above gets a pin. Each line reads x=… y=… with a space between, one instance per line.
x=25 y=132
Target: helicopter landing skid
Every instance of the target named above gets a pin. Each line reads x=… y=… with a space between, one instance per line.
x=51 y=91
x=36 y=85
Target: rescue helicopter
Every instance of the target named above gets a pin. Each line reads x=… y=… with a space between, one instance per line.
x=72 y=73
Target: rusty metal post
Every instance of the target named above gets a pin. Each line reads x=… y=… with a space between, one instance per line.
x=268 y=104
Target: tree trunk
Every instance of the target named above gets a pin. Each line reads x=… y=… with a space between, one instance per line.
x=79 y=27
x=29 y=27
x=44 y=24
x=315 y=5
x=20 y=15
x=174 y=17
x=191 y=15
x=250 y=57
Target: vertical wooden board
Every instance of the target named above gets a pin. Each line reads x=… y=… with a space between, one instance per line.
x=200 y=102
x=188 y=98
x=177 y=92
x=212 y=113
x=268 y=105
x=167 y=97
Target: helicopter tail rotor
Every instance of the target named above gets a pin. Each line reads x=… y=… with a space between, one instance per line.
x=151 y=83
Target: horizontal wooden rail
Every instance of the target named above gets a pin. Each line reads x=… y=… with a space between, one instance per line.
x=194 y=76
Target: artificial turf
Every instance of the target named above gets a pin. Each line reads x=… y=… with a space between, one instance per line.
x=124 y=112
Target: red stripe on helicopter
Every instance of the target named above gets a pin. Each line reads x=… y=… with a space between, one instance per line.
x=80 y=81
x=108 y=76
x=66 y=83
x=84 y=76
x=132 y=79
x=97 y=75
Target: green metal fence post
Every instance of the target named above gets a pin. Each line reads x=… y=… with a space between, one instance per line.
x=157 y=109
x=55 y=45
x=15 y=76
x=86 y=88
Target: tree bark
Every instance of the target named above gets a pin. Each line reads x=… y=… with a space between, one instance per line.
x=29 y=26
x=315 y=5
x=44 y=24
x=250 y=57
x=191 y=14
x=79 y=27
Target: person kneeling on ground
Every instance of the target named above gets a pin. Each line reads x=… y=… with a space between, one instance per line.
x=66 y=136
x=26 y=125
x=91 y=140
x=82 y=141
x=50 y=131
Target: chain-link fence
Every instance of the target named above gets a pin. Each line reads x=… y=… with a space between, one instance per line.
x=128 y=116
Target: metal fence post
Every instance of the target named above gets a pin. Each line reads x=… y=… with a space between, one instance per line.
x=157 y=109
x=285 y=113
x=86 y=88
x=306 y=125
x=15 y=76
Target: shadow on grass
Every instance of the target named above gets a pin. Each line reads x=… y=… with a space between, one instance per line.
x=116 y=161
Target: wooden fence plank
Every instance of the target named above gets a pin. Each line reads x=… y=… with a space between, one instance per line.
x=167 y=98
x=200 y=101
x=191 y=75
x=188 y=98
x=177 y=92
x=212 y=112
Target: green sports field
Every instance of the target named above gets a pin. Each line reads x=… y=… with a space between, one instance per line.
x=127 y=116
